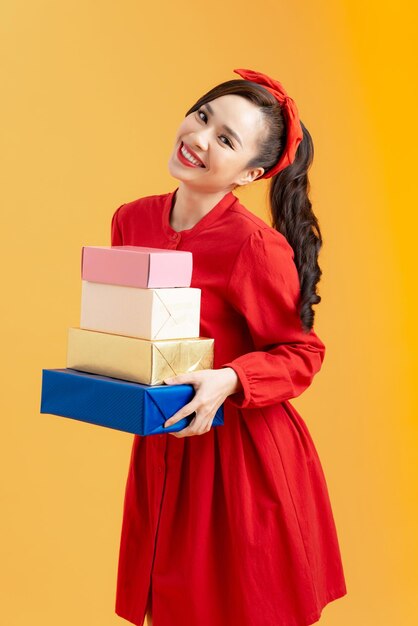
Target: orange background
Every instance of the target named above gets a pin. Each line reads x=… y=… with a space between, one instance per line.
x=92 y=95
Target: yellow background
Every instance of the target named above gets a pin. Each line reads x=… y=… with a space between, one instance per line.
x=92 y=95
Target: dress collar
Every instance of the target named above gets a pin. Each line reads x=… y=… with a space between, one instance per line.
x=207 y=220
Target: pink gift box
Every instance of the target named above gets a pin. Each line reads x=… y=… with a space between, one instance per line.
x=137 y=266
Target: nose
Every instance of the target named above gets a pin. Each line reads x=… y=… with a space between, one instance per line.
x=199 y=140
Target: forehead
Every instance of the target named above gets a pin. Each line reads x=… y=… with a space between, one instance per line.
x=241 y=115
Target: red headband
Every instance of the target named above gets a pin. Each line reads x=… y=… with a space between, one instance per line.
x=294 y=129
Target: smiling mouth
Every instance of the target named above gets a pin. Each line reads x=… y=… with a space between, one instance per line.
x=187 y=158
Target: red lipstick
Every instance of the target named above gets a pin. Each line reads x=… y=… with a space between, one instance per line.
x=186 y=161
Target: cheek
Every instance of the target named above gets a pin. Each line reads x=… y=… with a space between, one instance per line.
x=227 y=159
x=182 y=129
x=188 y=125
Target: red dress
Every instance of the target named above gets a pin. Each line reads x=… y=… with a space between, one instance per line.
x=233 y=527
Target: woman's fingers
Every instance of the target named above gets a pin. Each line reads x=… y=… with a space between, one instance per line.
x=186 y=410
x=204 y=404
x=188 y=378
x=197 y=426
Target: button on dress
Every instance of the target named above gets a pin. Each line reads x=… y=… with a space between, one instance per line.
x=233 y=527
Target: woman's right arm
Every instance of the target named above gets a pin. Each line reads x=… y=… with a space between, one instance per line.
x=115 y=230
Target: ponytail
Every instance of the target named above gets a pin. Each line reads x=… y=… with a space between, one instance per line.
x=292 y=215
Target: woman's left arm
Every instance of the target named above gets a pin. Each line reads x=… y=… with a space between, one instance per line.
x=264 y=288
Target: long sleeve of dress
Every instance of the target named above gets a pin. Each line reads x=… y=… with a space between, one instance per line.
x=115 y=232
x=264 y=288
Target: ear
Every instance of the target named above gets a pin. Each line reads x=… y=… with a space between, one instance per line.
x=249 y=175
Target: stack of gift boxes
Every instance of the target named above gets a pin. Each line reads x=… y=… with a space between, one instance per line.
x=139 y=325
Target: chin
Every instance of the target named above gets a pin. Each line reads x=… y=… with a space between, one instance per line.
x=181 y=173
x=174 y=171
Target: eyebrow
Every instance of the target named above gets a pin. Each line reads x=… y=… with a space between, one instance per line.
x=228 y=130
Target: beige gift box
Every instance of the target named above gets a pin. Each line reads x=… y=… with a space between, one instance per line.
x=134 y=359
x=146 y=313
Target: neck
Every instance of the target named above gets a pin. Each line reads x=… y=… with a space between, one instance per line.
x=191 y=205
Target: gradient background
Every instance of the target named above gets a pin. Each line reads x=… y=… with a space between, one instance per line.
x=92 y=95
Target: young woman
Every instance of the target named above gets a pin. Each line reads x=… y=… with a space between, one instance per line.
x=232 y=525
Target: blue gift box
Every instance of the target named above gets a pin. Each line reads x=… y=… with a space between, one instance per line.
x=120 y=404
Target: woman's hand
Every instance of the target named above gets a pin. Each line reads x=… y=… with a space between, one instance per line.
x=211 y=387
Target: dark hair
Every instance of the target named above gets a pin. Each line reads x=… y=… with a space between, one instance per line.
x=290 y=206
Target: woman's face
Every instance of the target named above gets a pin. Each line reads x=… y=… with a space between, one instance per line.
x=222 y=153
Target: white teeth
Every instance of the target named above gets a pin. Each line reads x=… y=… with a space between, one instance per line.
x=189 y=156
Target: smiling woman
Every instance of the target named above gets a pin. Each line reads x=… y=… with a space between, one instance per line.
x=224 y=151
x=233 y=525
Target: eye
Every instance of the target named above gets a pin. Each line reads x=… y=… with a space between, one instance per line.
x=229 y=143
x=201 y=111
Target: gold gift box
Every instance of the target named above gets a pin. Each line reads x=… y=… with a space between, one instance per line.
x=138 y=360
